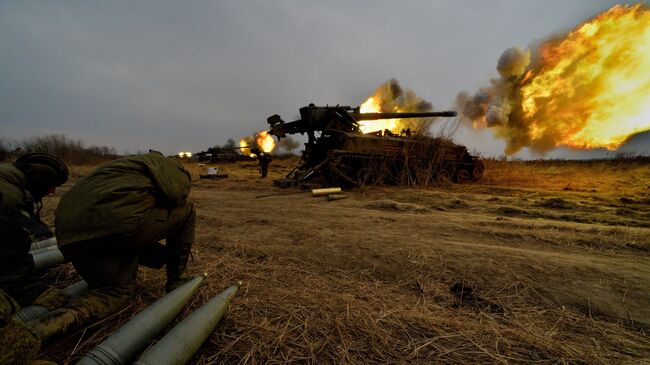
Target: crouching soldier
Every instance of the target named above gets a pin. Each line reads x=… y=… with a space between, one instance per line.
x=23 y=184
x=112 y=220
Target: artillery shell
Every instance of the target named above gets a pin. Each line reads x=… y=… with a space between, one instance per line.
x=181 y=343
x=325 y=191
x=123 y=346
x=44 y=243
x=336 y=197
x=48 y=258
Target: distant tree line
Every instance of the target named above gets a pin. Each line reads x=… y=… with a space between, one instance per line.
x=72 y=151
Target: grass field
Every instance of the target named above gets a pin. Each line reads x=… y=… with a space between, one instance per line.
x=539 y=262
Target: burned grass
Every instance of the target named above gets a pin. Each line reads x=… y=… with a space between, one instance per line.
x=375 y=279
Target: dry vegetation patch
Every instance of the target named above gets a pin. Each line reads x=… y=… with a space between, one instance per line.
x=516 y=268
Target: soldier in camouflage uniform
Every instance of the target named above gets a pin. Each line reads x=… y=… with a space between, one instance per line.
x=112 y=220
x=22 y=186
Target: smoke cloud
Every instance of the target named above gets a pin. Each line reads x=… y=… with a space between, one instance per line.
x=587 y=88
x=498 y=106
x=391 y=97
x=513 y=62
x=288 y=144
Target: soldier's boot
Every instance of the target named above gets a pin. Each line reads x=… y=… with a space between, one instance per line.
x=176 y=264
x=98 y=304
x=179 y=245
x=57 y=322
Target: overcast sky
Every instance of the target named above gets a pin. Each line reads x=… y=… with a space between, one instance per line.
x=172 y=75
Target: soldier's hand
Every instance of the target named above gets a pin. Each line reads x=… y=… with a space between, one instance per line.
x=52 y=298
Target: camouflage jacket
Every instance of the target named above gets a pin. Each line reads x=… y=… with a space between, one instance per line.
x=117 y=197
x=18 y=220
x=17 y=212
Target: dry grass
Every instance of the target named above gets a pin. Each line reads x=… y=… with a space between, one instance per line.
x=628 y=176
x=513 y=269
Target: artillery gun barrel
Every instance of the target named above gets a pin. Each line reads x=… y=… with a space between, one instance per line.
x=377 y=116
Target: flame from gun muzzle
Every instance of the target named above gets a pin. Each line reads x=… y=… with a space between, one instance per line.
x=390 y=97
x=261 y=141
x=589 y=88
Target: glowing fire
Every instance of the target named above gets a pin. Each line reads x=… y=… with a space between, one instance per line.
x=390 y=97
x=262 y=141
x=372 y=106
x=245 y=147
x=589 y=89
x=598 y=75
x=265 y=141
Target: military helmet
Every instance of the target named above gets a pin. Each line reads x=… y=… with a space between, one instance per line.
x=43 y=171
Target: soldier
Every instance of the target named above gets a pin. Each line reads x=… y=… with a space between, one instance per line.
x=112 y=220
x=23 y=184
x=264 y=160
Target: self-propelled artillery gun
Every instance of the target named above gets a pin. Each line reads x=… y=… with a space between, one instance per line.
x=339 y=151
x=221 y=155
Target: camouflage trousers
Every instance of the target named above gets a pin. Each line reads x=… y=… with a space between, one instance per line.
x=17 y=276
x=18 y=345
x=110 y=267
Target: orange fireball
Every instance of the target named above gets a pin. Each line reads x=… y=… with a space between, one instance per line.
x=588 y=89
x=392 y=98
x=262 y=141
x=592 y=88
x=372 y=106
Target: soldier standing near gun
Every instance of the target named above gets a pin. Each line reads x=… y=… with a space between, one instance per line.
x=264 y=160
x=110 y=221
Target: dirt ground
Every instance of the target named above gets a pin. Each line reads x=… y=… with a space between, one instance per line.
x=545 y=262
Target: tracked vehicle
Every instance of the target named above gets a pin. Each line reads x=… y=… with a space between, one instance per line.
x=338 y=151
x=221 y=155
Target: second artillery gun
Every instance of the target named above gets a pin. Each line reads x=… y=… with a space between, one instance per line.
x=338 y=150
x=218 y=154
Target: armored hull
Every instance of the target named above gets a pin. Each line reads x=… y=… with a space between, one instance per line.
x=359 y=159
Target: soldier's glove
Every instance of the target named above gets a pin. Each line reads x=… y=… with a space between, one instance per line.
x=52 y=298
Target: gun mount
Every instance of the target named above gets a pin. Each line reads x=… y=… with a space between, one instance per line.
x=344 y=155
x=341 y=118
